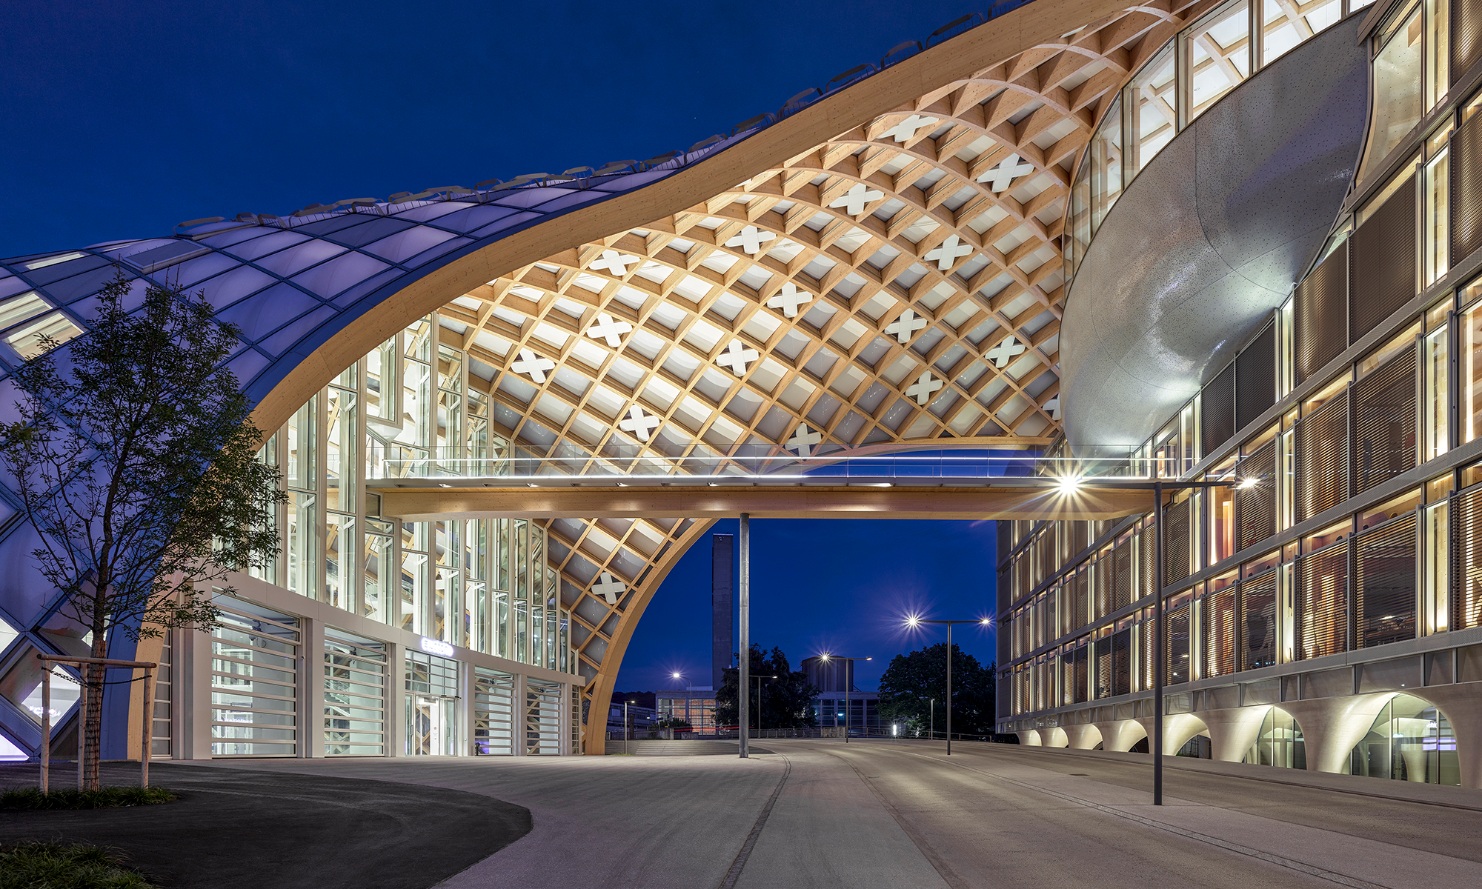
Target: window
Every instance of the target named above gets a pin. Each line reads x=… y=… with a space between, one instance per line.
x=1219 y=56
x=1397 y=84
x=1154 y=114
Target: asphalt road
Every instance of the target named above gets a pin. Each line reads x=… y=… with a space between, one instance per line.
x=901 y=814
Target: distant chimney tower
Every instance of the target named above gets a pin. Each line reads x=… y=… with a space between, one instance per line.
x=722 y=601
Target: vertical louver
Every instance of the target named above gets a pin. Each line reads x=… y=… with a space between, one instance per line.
x=1147 y=544
x=1255 y=379
x=1217 y=410
x=1384 y=424
x=1218 y=621
x=1322 y=601
x=1322 y=458
x=1384 y=254
x=1255 y=505
x=1103 y=672
x=1080 y=536
x=1080 y=663
x=1322 y=314
x=1258 y=621
x=1384 y=591
x=1466 y=559
x=1106 y=593
x=1081 y=596
x=1148 y=656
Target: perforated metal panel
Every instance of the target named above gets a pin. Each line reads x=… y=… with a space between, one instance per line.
x=1384 y=252
x=1322 y=602
x=1080 y=664
x=1102 y=687
x=1466 y=37
x=1255 y=506
x=1122 y=557
x=1466 y=559
x=1384 y=422
x=1121 y=669
x=1322 y=458
x=1177 y=542
x=1466 y=189
x=1146 y=549
x=1258 y=621
x=1322 y=314
x=1081 y=600
x=1217 y=410
x=1255 y=379
x=1218 y=621
x=1176 y=643
x=1384 y=592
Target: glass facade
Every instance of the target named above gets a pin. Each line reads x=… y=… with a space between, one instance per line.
x=478 y=583
x=1213 y=55
x=1340 y=526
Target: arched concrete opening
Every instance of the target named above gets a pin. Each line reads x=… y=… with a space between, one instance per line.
x=1410 y=739
x=1055 y=737
x=1083 y=737
x=1122 y=735
x=1178 y=730
x=1030 y=738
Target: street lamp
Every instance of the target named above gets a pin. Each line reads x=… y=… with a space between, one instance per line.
x=848 y=677
x=678 y=677
x=758 y=681
x=931 y=725
x=913 y=622
x=627 y=727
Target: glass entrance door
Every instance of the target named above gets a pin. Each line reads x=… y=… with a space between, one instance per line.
x=432 y=725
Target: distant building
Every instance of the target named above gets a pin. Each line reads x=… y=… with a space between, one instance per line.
x=694 y=705
x=722 y=605
x=831 y=678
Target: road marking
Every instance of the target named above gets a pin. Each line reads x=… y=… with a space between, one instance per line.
x=937 y=862
x=734 y=873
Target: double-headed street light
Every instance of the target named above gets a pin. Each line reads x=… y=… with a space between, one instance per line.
x=848 y=681
x=912 y=621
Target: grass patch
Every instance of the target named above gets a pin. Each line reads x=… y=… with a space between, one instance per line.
x=30 y=799
x=58 y=866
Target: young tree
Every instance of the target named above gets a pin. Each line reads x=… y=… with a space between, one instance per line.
x=913 y=680
x=785 y=702
x=135 y=461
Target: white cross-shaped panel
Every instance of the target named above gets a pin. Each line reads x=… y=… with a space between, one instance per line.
x=1052 y=407
x=639 y=423
x=904 y=326
x=750 y=239
x=1004 y=352
x=907 y=128
x=737 y=357
x=924 y=388
x=1000 y=177
x=533 y=365
x=609 y=329
x=947 y=253
x=788 y=299
x=612 y=261
x=854 y=201
x=608 y=587
x=803 y=440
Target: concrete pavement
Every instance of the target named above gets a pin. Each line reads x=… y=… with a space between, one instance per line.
x=892 y=814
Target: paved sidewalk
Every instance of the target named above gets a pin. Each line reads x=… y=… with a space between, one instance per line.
x=893 y=814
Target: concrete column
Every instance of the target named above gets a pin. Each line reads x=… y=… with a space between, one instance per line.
x=194 y=672
x=1459 y=703
x=465 y=708
x=1055 y=737
x=1121 y=735
x=396 y=684
x=311 y=689
x=1233 y=731
x=517 y=720
x=1083 y=737
x=1029 y=738
x=1178 y=730
x=1332 y=727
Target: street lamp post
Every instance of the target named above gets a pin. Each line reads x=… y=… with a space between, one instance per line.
x=913 y=622
x=848 y=680
x=758 y=680
x=678 y=677
x=627 y=727
x=931 y=730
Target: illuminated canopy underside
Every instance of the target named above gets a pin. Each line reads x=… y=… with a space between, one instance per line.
x=898 y=285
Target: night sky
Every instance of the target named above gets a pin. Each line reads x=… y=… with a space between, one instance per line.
x=123 y=119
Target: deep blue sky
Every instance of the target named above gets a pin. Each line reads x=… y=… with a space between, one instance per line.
x=123 y=119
